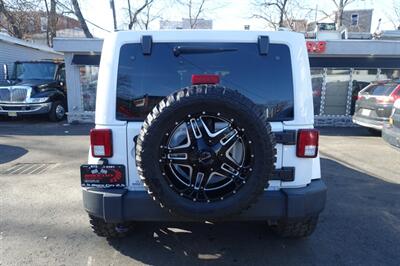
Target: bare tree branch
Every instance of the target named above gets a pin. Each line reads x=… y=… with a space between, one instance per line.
x=280 y=13
x=133 y=16
x=18 y=16
x=197 y=8
x=81 y=19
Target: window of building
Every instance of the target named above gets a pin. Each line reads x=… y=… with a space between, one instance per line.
x=354 y=19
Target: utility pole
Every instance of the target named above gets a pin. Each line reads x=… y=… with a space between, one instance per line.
x=112 y=5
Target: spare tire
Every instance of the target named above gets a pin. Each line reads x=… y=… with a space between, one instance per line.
x=206 y=152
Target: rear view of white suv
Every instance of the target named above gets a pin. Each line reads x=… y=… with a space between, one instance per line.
x=204 y=126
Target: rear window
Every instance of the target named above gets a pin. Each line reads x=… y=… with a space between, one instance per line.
x=380 y=89
x=144 y=80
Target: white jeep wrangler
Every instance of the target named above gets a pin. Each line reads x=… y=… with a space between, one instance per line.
x=204 y=126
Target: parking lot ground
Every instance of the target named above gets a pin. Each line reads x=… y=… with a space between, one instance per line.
x=42 y=221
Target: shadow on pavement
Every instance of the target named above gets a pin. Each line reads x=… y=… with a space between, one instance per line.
x=360 y=225
x=10 y=153
x=42 y=127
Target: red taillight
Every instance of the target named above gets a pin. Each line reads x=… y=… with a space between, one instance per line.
x=205 y=79
x=359 y=97
x=307 y=143
x=101 y=142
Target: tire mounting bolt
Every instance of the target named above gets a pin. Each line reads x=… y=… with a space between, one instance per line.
x=166 y=134
x=212 y=169
x=222 y=198
x=234 y=192
x=189 y=116
x=164 y=174
x=208 y=201
x=170 y=185
x=218 y=114
x=252 y=156
x=244 y=182
x=160 y=160
x=176 y=123
x=249 y=141
x=204 y=112
x=194 y=199
x=181 y=194
x=250 y=169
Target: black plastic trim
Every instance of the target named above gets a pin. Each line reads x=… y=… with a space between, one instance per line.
x=263 y=44
x=118 y=205
x=286 y=137
x=147 y=44
x=285 y=174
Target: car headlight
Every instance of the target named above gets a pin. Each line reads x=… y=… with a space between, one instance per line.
x=37 y=100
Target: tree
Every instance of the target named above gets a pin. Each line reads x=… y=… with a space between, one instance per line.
x=394 y=17
x=340 y=6
x=134 y=14
x=18 y=16
x=52 y=19
x=194 y=9
x=198 y=8
x=147 y=17
x=82 y=21
x=279 y=13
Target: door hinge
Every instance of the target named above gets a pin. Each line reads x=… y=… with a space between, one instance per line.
x=286 y=137
x=285 y=174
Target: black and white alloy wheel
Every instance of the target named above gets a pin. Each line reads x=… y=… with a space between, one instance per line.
x=205 y=158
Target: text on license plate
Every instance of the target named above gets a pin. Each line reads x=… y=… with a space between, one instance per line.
x=104 y=176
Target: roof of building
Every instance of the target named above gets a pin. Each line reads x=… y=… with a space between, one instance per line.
x=16 y=41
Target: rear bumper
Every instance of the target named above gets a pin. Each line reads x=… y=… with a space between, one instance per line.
x=117 y=205
x=369 y=122
x=27 y=109
x=391 y=135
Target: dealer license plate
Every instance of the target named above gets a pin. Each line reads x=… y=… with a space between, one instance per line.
x=103 y=176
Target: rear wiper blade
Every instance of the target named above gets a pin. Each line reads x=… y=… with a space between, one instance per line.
x=178 y=50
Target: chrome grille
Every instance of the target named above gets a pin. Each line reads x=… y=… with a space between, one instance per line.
x=5 y=95
x=13 y=94
x=18 y=94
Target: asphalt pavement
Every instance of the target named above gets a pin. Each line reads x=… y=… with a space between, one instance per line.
x=42 y=221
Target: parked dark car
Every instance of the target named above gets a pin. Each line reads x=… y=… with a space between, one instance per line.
x=34 y=87
x=391 y=130
x=374 y=104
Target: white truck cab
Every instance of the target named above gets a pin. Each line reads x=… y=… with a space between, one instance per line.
x=204 y=126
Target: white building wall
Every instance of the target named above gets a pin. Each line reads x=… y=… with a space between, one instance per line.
x=10 y=52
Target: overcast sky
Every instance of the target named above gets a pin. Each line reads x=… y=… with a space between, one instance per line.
x=233 y=14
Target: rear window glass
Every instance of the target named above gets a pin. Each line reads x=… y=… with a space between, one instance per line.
x=380 y=89
x=144 y=80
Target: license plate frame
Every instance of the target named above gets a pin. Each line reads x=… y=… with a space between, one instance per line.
x=103 y=176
